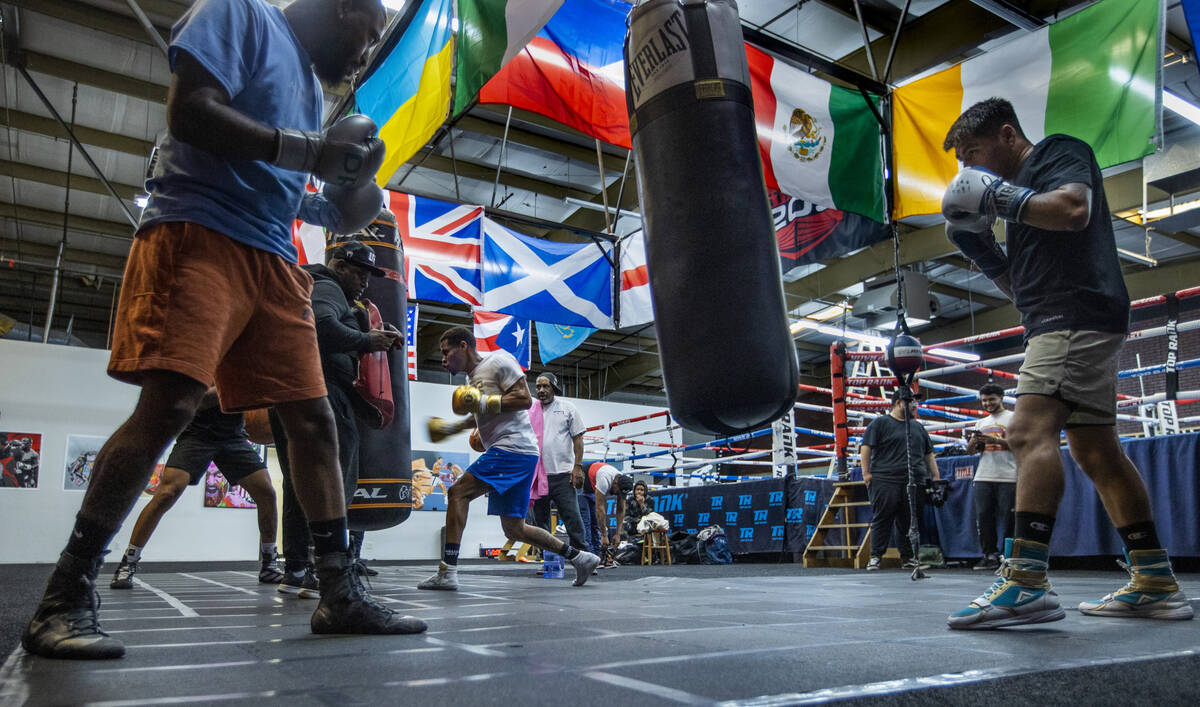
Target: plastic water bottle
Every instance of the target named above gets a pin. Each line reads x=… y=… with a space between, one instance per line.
x=552 y=565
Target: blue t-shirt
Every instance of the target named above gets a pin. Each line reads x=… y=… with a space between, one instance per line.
x=249 y=47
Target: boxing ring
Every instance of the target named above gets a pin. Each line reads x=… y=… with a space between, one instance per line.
x=1152 y=421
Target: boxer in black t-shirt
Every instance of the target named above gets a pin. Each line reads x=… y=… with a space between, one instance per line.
x=1062 y=273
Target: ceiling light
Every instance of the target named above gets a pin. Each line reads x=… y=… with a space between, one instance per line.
x=1180 y=106
x=142 y=200
x=957 y=355
x=803 y=324
x=1153 y=262
x=396 y=5
x=1155 y=214
x=831 y=312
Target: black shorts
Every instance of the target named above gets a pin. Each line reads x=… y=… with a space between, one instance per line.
x=235 y=458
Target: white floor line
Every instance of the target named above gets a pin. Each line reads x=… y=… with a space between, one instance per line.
x=648 y=688
x=193 y=644
x=477 y=650
x=14 y=691
x=186 y=628
x=219 y=584
x=175 y=668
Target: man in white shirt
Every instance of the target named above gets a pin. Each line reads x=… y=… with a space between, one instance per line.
x=995 y=484
x=608 y=481
x=498 y=401
x=561 y=457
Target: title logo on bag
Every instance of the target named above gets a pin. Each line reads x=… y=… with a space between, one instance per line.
x=807 y=142
x=652 y=55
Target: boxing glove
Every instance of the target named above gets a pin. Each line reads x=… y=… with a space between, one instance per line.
x=348 y=154
x=476 y=441
x=440 y=429
x=468 y=399
x=354 y=208
x=976 y=196
x=981 y=248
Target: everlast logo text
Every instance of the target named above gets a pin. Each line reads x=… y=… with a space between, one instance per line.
x=648 y=59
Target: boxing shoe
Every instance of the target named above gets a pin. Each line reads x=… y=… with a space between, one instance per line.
x=66 y=623
x=1152 y=592
x=446 y=579
x=1020 y=595
x=123 y=577
x=347 y=607
x=584 y=563
x=303 y=585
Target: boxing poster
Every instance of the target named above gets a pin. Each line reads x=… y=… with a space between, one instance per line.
x=81 y=457
x=20 y=459
x=219 y=493
x=433 y=473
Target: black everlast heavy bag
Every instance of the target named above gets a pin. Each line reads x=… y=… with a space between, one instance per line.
x=728 y=359
x=384 y=495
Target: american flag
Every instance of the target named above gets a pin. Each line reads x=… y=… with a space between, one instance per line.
x=441 y=245
x=410 y=338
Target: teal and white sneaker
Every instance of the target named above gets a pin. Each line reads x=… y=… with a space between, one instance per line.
x=1152 y=592
x=1020 y=595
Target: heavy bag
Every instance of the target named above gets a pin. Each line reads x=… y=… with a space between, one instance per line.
x=728 y=360
x=384 y=495
x=373 y=387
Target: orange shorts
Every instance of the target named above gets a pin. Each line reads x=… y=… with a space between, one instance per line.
x=195 y=301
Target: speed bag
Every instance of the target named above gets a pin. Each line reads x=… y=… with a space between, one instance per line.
x=728 y=360
x=384 y=494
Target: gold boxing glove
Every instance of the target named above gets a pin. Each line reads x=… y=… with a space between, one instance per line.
x=468 y=399
x=440 y=429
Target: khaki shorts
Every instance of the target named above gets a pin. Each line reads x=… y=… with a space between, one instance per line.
x=1078 y=368
x=197 y=302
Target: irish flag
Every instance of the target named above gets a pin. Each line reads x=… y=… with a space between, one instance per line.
x=818 y=142
x=490 y=33
x=1093 y=75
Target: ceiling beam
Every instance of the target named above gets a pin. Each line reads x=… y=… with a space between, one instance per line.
x=92 y=17
x=487 y=173
x=68 y=70
x=474 y=123
x=116 y=229
x=92 y=137
x=53 y=177
x=941 y=288
x=11 y=247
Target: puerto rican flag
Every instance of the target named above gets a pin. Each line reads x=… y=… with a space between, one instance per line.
x=503 y=332
x=441 y=248
x=635 y=282
x=572 y=71
x=410 y=338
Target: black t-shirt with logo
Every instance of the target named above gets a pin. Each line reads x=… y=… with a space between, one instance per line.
x=1067 y=279
x=215 y=426
x=885 y=437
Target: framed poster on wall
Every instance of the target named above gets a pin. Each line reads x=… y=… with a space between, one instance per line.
x=20 y=459
x=433 y=473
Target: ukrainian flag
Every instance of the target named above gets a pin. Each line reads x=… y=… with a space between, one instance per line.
x=408 y=92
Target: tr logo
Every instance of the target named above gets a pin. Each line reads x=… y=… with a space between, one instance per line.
x=777 y=532
x=716 y=501
x=760 y=516
x=731 y=517
x=775 y=499
x=702 y=519
x=744 y=500
x=746 y=534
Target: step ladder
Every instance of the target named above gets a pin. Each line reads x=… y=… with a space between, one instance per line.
x=849 y=511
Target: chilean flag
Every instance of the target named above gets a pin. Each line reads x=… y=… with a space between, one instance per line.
x=572 y=71
x=503 y=332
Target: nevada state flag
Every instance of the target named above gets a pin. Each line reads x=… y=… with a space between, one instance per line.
x=556 y=283
x=496 y=332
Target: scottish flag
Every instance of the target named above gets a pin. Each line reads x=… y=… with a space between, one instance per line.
x=556 y=283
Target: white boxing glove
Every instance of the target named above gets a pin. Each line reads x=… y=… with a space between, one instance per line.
x=976 y=197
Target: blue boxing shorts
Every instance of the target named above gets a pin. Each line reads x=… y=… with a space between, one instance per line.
x=510 y=475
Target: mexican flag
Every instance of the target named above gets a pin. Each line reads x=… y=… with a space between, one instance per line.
x=1093 y=75
x=490 y=33
x=818 y=142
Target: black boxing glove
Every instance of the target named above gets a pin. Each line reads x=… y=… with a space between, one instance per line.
x=981 y=248
x=347 y=155
x=353 y=209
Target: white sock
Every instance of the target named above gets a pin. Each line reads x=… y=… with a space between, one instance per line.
x=267 y=549
x=133 y=553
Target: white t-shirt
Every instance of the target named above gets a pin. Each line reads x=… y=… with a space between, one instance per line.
x=996 y=464
x=603 y=480
x=509 y=430
x=560 y=423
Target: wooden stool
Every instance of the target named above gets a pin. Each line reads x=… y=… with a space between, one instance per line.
x=656 y=540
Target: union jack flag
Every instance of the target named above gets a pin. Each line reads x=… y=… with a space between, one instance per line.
x=441 y=247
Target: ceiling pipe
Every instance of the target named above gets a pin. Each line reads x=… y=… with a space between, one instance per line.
x=150 y=30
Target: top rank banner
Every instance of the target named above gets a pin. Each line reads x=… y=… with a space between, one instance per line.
x=807 y=233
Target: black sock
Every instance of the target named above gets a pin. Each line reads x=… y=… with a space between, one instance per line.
x=1140 y=536
x=450 y=554
x=89 y=538
x=1034 y=526
x=328 y=535
x=569 y=552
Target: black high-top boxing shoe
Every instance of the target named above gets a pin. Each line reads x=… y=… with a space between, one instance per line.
x=66 y=623
x=346 y=607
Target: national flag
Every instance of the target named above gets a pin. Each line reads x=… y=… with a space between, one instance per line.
x=410 y=339
x=807 y=233
x=502 y=332
x=441 y=248
x=572 y=71
x=490 y=34
x=635 y=282
x=1191 y=14
x=555 y=340
x=309 y=240
x=818 y=142
x=560 y=283
x=1093 y=75
x=408 y=92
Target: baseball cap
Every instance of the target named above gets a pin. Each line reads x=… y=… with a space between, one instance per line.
x=553 y=379
x=357 y=253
